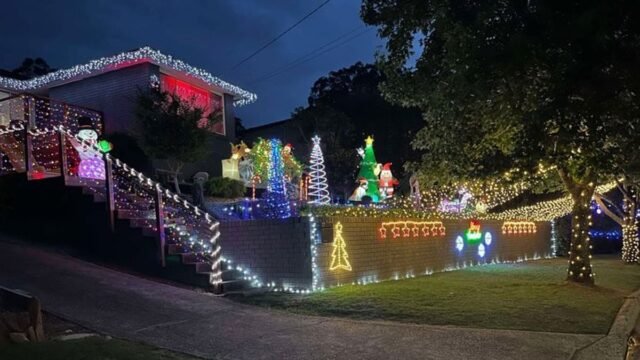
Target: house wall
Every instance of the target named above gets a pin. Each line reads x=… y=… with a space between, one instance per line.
x=113 y=93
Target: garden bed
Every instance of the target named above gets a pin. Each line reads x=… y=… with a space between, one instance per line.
x=523 y=296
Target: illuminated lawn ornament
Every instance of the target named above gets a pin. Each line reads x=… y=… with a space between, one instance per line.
x=318 y=187
x=414 y=229
x=518 y=227
x=104 y=146
x=459 y=243
x=368 y=170
x=488 y=238
x=339 y=256
x=473 y=234
x=481 y=250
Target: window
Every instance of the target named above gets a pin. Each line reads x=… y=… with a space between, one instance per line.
x=209 y=102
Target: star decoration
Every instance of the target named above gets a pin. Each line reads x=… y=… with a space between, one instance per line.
x=383 y=232
x=416 y=231
x=425 y=231
x=405 y=231
x=395 y=231
x=369 y=140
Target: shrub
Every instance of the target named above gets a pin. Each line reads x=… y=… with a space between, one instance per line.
x=224 y=187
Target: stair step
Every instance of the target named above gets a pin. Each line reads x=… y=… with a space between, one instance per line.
x=189 y=258
x=134 y=214
x=234 y=285
x=176 y=249
x=202 y=267
x=142 y=223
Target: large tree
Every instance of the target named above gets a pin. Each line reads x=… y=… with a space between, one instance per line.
x=345 y=107
x=516 y=83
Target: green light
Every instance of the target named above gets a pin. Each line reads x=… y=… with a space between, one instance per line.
x=104 y=146
x=472 y=236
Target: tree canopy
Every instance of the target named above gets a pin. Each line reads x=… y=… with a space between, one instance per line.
x=29 y=69
x=513 y=84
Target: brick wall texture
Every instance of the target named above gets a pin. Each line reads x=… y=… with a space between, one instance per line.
x=279 y=250
x=276 y=250
x=373 y=258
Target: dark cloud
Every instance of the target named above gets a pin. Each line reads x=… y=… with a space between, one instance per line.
x=212 y=34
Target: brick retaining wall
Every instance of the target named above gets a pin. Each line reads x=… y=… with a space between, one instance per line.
x=279 y=251
x=276 y=250
x=373 y=258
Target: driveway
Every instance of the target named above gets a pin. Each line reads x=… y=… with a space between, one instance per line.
x=180 y=319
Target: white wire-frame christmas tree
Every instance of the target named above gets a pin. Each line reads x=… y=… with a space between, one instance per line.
x=318 y=187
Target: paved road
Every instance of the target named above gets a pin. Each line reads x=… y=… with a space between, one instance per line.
x=180 y=319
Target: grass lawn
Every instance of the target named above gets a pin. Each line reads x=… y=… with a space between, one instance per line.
x=525 y=296
x=92 y=348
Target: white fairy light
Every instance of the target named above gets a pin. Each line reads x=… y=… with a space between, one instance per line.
x=145 y=54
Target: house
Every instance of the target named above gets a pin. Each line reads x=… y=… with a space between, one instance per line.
x=110 y=85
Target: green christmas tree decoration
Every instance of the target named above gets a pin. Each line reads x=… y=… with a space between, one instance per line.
x=368 y=170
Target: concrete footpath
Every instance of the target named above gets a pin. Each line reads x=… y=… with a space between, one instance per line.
x=180 y=319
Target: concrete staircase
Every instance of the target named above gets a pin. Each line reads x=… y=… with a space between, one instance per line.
x=150 y=222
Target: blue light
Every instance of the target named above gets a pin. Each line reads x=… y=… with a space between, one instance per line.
x=459 y=243
x=277 y=204
x=481 y=250
x=488 y=238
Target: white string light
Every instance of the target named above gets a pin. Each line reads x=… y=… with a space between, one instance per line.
x=242 y=97
x=318 y=187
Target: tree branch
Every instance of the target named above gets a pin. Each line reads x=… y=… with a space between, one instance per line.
x=599 y=199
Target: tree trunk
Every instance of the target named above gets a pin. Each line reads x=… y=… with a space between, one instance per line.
x=630 y=250
x=580 y=249
x=175 y=167
x=581 y=190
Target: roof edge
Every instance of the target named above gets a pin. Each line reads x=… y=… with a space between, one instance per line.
x=241 y=96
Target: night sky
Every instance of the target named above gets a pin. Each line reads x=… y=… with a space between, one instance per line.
x=211 y=34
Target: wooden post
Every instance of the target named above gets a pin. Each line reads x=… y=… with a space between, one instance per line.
x=64 y=166
x=109 y=191
x=28 y=142
x=160 y=226
x=28 y=165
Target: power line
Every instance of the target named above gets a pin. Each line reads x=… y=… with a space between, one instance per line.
x=312 y=52
x=306 y=58
x=279 y=36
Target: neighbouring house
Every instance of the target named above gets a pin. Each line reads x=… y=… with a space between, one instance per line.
x=110 y=85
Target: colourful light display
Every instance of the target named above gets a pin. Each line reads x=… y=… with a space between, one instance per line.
x=339 y=256
x=277 y=204
x=518 y=227
x=473 y=234
x=413 y=229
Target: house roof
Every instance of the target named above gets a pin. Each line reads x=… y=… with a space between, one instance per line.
x=106 y=64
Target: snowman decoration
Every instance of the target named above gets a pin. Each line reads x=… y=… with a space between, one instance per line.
x=91 y=163
x=386 y=182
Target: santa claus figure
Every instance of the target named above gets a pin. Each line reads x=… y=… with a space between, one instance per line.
x=360 y=191
x=386 y=182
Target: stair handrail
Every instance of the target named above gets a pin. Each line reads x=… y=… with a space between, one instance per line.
x=154 y=187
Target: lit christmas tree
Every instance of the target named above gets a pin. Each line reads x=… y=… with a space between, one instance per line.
x=368 y=170
x=318 y=187
x=339 y=256
x=277 y=204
